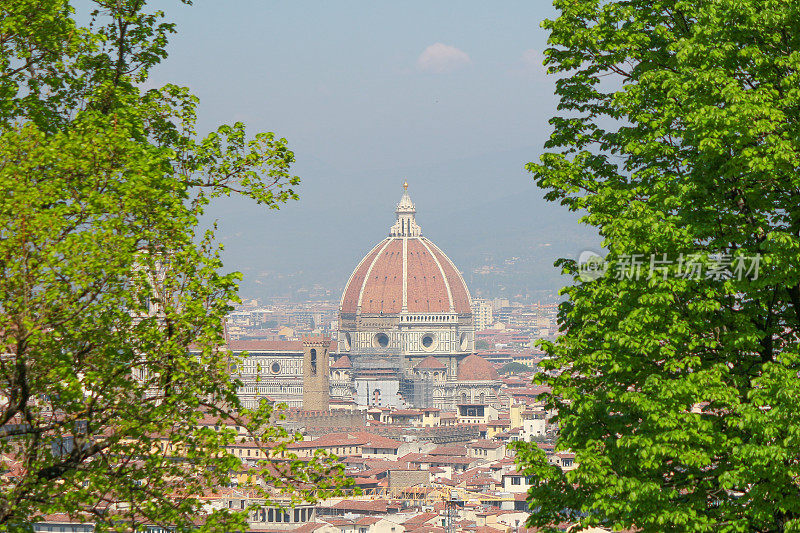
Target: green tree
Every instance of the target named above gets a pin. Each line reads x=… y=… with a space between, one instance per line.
x=514 y=368
x=679 y=140
x=111 y=301
x=483 y=345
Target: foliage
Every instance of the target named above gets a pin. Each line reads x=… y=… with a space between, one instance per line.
x=678 y=393
x=514 y=368
x=112 y=375
x=483 y=345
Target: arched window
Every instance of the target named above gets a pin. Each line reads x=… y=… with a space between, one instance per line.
x=313 y=362
x=481 y=398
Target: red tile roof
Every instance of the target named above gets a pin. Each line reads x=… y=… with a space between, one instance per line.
x=371 y=506
x=342 y=362
x=354 y=438
x=449 y=450
x=271 y=346
x=430 y=363
x=485 y=444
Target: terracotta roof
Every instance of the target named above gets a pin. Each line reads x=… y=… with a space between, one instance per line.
x=271 y=346
x=485 y=444
x=308 y=527
x=265 y=346
x=342 y=362
x=476 y=368
x=442 y=460
x=419 y=520
x=430 y=363
x=431 y=282
x=374 y=506
x=530 y=391
x=406 y=412
x=452 y=449
x=354 y=438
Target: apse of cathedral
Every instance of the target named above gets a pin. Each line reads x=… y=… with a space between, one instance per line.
x=406 y=334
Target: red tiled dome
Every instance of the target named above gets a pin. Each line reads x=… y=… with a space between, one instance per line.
x=476 y=368
x=430 y=363
x=432 y=283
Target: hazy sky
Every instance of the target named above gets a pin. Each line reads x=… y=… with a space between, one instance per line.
x=450 y=96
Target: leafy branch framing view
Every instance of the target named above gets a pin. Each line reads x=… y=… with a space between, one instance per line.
x=118 y=401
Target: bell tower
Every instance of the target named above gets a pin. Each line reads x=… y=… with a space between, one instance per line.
x=316 y=373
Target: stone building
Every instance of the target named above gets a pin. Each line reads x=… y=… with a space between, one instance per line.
x=272 y=370
x=482 y=313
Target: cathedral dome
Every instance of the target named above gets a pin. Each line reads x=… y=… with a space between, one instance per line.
x=476 y=368
x=405 y=273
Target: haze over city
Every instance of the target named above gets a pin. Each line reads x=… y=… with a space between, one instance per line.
x=452 y=98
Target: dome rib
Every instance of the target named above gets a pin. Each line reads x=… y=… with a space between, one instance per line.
x=382 y=292
x=441 y=271
x=404 y=309
x=462 y=303
x=427 y=289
